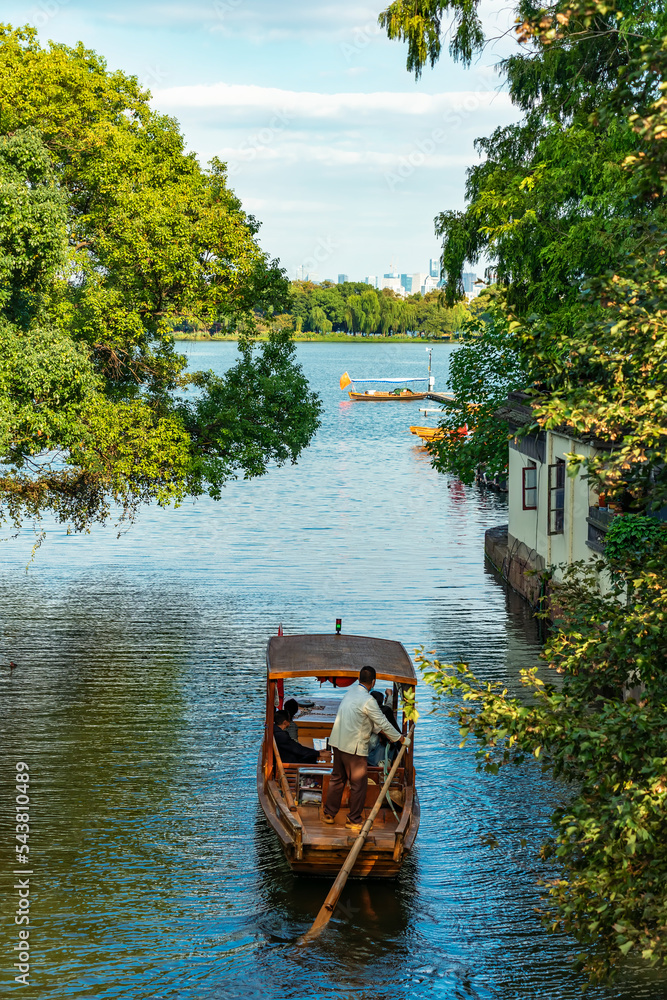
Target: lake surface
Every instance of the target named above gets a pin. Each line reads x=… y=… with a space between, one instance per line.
x=138 y=703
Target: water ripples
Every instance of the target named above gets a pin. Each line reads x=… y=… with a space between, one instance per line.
x=138 y=702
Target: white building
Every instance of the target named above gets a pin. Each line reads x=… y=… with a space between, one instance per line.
x=553 y=519
x=372 y=280
x=429 y=284
x=392 y=281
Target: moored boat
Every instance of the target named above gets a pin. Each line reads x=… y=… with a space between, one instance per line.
x=402 y=393
x=428 y=434
x=292 y=795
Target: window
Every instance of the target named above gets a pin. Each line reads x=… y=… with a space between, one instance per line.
x=556 y=497
x=529 y=486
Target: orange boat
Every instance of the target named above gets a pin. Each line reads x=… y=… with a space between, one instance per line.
x=428 y=434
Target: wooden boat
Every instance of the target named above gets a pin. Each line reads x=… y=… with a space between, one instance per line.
x=374 y=396
x=401 y=394
x=291 y=795
x=428 y=434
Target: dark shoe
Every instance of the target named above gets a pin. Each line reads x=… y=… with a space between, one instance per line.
x=327 y=818
x=355 y=827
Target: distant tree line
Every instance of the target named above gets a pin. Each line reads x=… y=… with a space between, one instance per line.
x=355 y=307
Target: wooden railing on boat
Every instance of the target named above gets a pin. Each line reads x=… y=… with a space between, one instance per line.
x=402 y=827
x=287 y=806
x=284 y=784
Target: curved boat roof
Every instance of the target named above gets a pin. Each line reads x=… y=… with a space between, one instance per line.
x=334 y=655
x=389 y=381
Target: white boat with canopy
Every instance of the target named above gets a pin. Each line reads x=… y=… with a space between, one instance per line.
x=402 y=391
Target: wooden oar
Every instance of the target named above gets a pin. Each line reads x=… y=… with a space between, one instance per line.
x=329 y=905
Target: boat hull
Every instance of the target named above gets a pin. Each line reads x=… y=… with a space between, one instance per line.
x=380 y=856
x=386 y=397
x=428 y=433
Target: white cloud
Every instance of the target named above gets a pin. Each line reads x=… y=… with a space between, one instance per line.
x=293 y=104
x=256 y=21
x=262 y=21
x=334 y=156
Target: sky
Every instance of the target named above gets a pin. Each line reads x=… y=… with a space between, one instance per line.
x=342 y=156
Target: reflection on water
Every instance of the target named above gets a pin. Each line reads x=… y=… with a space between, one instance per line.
x=138 y=703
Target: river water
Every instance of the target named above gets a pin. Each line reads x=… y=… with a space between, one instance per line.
x=137 y=703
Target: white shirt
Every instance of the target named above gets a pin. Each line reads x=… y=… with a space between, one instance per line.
x=358 y=716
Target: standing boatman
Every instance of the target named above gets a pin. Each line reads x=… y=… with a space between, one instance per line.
x=358 y=716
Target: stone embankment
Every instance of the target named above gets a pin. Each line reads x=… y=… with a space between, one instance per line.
x=521 y=567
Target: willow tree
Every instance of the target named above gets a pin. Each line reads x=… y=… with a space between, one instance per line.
x=111 y=233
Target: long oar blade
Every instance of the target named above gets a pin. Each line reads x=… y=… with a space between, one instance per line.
x=330 y=903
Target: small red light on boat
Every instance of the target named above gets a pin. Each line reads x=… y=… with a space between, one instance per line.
x=339 y=625
x=280 y=629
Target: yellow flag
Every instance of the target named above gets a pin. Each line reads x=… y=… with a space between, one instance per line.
x=345 y=380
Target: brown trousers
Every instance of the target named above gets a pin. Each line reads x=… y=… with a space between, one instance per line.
x=353 y=768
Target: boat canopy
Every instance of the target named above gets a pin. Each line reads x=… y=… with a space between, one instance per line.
x=389 y=381
x=333 y=655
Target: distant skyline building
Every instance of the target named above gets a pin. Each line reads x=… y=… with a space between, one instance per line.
x=303 y=275
x=469 y=280
x=402 y=284
x=419 y=279
x=392 y=281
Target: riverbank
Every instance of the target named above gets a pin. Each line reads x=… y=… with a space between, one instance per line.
x=328 y=338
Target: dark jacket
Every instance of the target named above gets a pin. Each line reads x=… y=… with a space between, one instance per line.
x=292 y=752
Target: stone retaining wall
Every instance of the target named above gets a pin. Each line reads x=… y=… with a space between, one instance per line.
x=520 y=566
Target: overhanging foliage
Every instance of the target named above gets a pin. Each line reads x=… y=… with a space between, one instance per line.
x=110 y=234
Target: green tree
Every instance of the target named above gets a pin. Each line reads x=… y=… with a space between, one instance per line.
x=363 y=312
x=111 y=234
x=551 y=204
x=318 y=320
x=569 y=204
x=486 y=366
x=390 y=312
x=609 y=844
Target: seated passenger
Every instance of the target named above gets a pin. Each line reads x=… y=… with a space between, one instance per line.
x=290 y=751
x=379 y=747
x=291 y=706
